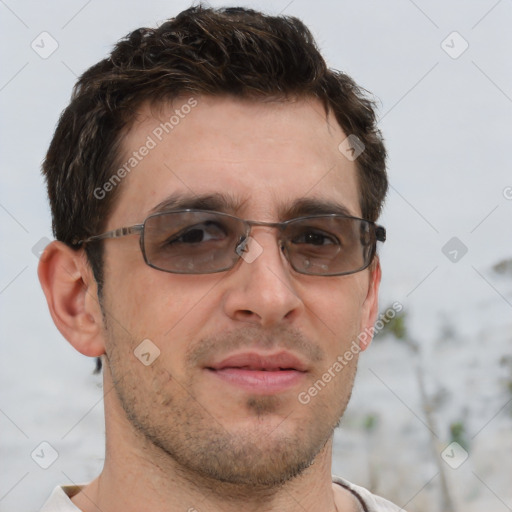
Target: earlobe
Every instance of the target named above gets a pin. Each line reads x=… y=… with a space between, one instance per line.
x=370 y=306
x=71 y=293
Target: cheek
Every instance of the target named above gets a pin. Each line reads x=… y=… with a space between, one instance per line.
x=337 y=310
x=160 y=311
x=144 y=301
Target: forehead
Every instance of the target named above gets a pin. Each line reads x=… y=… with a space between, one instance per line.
x=262 y=156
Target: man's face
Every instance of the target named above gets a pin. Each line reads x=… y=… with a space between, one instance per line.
x=238 y=421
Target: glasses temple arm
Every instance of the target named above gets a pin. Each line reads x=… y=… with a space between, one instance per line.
x=115 y=233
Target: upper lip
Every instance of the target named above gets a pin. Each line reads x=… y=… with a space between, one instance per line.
x=257 y=361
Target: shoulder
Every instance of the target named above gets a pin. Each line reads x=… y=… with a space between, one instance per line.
x=60 y=499
x=370 y=502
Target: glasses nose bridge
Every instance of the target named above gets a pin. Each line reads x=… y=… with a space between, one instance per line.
x=248 y=226
x=280 y=226
x=263 y=223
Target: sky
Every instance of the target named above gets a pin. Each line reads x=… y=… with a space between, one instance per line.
x=442 y=75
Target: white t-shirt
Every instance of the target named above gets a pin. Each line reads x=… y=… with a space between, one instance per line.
x=60 y=499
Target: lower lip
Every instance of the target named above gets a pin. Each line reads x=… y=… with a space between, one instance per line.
x=257 y=381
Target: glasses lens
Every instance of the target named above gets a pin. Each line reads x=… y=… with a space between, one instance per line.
x=192 y=242
x=329 y=245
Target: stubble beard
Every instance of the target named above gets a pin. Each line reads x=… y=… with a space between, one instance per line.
x=197 y=444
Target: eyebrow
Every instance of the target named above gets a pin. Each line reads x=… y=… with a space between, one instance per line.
x=312 y=206
x=214 y=202
x=225 y=203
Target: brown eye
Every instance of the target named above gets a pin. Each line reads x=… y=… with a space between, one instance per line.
x=204 y=232
x=316 y=238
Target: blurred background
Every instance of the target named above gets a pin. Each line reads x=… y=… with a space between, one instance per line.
x=429 y=424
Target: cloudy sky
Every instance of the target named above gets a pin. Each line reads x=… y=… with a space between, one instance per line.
x=442 y=73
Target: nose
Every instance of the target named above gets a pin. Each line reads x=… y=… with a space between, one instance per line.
x=261 y=288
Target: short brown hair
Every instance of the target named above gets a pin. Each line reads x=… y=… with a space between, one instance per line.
x=203 y=51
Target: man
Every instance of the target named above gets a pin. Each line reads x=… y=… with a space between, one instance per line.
x=214 y=191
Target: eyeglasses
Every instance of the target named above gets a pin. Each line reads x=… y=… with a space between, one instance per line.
x=205 y=242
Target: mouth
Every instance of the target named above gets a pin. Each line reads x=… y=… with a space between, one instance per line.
x=260 y=373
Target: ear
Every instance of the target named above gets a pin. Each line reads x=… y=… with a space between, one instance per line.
x=71 y=292
x=370 y=306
